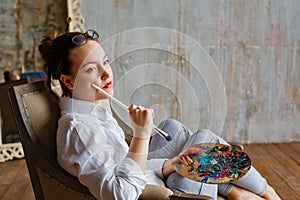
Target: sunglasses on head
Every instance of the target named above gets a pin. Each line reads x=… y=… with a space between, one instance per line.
x=78 y=40
x=82 y=38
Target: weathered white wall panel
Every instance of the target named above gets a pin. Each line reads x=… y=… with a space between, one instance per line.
x=23 y=25
x=254 y=44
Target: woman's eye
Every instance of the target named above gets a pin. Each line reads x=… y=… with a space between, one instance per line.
x=106 y=62
x=91 y=69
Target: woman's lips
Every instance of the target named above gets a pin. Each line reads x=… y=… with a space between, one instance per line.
x=108 y=85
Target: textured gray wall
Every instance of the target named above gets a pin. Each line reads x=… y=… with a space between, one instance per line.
x=22 y=26
x=228 y=65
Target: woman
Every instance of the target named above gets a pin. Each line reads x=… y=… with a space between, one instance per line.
x=91 y=145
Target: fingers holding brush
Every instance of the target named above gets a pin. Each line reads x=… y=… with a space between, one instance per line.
x=141 y=120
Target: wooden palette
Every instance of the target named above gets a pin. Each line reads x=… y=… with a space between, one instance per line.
x=218 y=163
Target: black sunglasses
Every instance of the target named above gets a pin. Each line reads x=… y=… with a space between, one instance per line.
x=82 y=38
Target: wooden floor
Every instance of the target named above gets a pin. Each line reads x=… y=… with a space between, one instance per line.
x=278 y=163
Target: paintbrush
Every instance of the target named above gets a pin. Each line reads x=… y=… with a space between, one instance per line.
x=159 y=131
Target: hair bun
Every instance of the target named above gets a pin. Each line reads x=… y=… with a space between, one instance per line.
x=46 y=46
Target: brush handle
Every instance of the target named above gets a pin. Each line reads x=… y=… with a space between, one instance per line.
x=159 y=131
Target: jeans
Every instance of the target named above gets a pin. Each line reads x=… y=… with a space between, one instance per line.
x=182 y=138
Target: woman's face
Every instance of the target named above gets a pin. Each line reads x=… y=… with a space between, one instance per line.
x=89 y=64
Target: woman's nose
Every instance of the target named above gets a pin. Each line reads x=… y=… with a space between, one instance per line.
x=105 y=75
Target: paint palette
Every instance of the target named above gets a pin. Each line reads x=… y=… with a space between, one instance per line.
x=217 y=163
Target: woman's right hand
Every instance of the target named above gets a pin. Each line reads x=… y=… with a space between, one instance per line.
x=141 y=121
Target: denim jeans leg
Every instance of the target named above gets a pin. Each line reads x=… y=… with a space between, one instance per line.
x=161 y=148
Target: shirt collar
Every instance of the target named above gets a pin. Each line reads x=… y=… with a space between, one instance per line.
x=72 y=105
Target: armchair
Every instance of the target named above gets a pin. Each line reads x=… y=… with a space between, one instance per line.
x=36 y=111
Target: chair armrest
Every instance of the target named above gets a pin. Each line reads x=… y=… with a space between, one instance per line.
x=185 y=196
x=154 y=192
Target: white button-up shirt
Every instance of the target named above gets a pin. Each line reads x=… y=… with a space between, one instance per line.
x=92 y=147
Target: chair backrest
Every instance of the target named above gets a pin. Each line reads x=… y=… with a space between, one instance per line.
x=9 y=129
x=37 y=111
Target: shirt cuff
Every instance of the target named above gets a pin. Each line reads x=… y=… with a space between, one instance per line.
x=130 y=170
x=155 y=166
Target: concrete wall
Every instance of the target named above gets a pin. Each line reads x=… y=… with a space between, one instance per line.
x=22 y=26
x=228 y=65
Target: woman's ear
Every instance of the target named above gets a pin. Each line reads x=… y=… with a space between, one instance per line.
x=67 y=81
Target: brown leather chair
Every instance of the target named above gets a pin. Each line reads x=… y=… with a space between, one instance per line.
x=36 y=111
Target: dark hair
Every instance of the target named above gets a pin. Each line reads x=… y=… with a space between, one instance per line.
x=55 y=51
